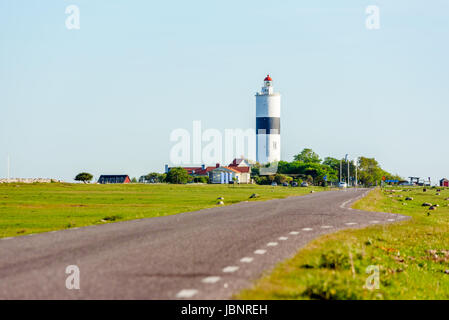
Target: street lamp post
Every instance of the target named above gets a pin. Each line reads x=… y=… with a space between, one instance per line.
x=348 y=173
x=346 y=159
x=340 y=171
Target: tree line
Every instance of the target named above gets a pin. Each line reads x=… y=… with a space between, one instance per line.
x=306 y=166
x=309 y=167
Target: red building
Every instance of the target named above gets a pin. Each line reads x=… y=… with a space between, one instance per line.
x=444 y=182
x=106 y=179
x=240 y=167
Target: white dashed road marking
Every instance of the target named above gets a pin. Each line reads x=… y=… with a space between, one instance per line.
x=211 y=279
x=326 y=227
x=294 y=233
x=246 y=259
x=390 y=220
x=350 y=223
x=272 y=244
x=8 y=238
x=186 y=293
x=283 y=238
x=230 y=269
x=374 y=221
x=344 y=203
x=260 y=251
x=307 y=229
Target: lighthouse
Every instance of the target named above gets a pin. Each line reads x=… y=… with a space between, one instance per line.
x=268 y=123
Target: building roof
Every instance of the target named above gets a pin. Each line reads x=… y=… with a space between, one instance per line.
x=240 y=169
x=237 y=161
x=227 y=168
x=237 y=165
x=113 y=176
x=444 y=179
x=204 y=171
x=240 y=165
x=232 y=169
x=191 y=170
x=268 y=78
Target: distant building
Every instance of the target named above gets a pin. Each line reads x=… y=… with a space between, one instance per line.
x=224 y=175
x=28 y=180
x=242 y=166
x=195 y=171
x=444 y=182
x=106 y=179
x=238 y=169
x=143 y=179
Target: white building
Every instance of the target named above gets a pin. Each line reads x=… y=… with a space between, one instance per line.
x=268 y=123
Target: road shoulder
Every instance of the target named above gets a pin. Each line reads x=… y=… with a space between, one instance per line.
x=394 y=261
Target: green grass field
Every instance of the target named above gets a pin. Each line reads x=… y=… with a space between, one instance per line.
x=413 y=256
x=33 y=208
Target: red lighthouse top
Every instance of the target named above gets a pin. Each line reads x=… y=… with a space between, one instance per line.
x=268 y=78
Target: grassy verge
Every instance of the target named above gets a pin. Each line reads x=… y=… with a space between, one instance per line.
x=33 y=208
x=412 y=256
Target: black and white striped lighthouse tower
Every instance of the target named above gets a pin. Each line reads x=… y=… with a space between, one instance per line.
x=268 y=123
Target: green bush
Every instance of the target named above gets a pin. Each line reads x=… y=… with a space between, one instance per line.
x=263 y=180
x=201 y=179
x=281 y=178
x=112 y=218
x=334 y=260
x=178 y=175
x=333 y=290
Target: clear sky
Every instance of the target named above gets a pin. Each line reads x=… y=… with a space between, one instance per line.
x=105 y=98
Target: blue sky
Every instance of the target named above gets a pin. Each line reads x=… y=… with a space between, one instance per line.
x=105 y=98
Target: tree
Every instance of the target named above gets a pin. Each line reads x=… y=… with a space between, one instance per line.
x=178 y=175
x=307 y=166
x=84 y=177
x=134 y=180
x=308 y=156
x=281 y=178
x=316 y=171
x=201 y=179
x=332 y=162
x=155 y=177
x=262 y=179
x=369 y=171
x=255 y=170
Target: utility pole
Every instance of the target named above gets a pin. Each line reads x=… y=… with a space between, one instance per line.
x=340 y=170
x=346 y=159
x=356 y=164
x=348 y=173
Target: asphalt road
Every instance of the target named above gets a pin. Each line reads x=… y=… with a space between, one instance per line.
x=207 y=254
